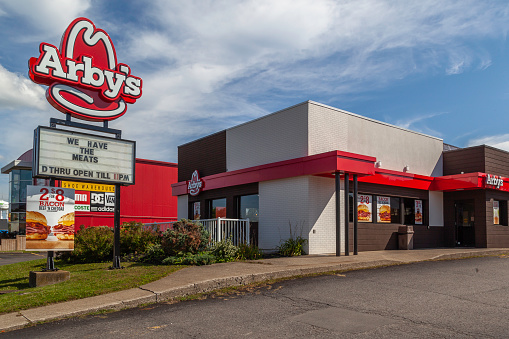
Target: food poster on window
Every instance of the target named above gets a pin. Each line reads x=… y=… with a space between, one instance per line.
x=50 y=218
x=196 y=211
x=364 y=208
x=496 y=213
x=418 y=212
x=383 y=209
x=220 y=212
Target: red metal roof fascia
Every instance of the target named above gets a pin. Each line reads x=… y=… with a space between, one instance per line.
x=459 y=182
x=399 y=179
x=156 y=162
x=328 y=162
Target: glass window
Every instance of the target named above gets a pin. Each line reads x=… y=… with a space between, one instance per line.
x=26 y=175
x=218 y=208
x=196 y=210
x=500 y=212
x=364 y=208
x=248 y=207
x=409 y=211
x=395 y=211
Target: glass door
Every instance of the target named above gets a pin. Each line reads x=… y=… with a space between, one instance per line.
x=464 y=223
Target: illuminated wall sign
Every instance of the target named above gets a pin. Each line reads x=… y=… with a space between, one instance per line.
x=84 y=77
x=64 y=155
x=494 y=180
x=87 y=186
x=195 y=185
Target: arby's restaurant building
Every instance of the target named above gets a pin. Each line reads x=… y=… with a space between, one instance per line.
x=316 y=171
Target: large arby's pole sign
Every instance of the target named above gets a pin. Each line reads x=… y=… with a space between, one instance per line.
x=84 y=77
x=85 y=82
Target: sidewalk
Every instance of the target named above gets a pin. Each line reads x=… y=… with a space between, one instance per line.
x=200 y=279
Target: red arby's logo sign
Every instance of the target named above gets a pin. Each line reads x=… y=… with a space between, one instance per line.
x=84 y=77
x=195 y=185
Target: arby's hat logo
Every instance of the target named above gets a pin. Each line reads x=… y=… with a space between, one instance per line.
x=195 y=185
x=84 y=77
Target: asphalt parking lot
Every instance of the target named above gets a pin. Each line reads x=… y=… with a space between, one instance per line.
x=12 y=258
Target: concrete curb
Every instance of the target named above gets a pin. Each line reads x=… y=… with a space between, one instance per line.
x=162 y=290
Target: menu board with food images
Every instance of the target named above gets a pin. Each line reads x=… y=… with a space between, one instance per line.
x=364 y=208
x=418 y=212
x=383 y=209
x=496 y=213
x=50 y=219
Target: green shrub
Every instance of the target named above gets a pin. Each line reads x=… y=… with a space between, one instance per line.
x=92 y=244
x=190 y=259
x=224 y=250
x=248 y=252
x=134 y=239
x=154 y=254
x=292 y=247
x=186 y=236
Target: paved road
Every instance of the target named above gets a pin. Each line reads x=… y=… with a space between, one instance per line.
x=455 y=299
x=12 y=258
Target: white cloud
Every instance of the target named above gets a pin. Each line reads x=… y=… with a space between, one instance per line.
x=49 y=17
x=207 y=57
x=499 y=141
x=18 y=92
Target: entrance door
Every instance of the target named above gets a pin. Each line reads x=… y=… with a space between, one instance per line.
x=465 y=235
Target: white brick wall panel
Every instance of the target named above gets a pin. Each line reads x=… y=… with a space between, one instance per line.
x=275 y=137
x=334 y=129
x=282 y=202
x=307 y=203
x=322 y=214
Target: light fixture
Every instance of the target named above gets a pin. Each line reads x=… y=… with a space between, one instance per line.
x=406 y=168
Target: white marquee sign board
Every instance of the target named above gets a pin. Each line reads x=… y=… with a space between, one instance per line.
x=64 y=155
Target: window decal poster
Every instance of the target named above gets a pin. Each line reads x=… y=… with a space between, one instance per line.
x=364 y=208
x=50 y=218
x=418 y=212
x=496 y=213
x=383 y=209
x=196 y=210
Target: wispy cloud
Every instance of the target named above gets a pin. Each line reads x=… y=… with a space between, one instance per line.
x=499 y=141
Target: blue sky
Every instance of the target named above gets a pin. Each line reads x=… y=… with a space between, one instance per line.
x=437 y=67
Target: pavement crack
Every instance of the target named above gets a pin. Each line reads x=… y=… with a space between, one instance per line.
x=22 y=315
x=146 y=289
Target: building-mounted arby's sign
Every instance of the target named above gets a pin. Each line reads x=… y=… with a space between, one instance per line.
x=494 y=180
x=195 y=185
x=84 y=77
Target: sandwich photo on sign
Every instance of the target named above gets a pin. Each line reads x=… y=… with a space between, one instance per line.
x=383 y=206
x=364 y=206
x=50 y=219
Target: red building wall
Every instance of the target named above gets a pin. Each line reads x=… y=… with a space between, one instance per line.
x=148 y=200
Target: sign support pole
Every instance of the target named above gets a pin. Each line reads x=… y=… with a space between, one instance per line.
x=50 y=262
x=116 y=225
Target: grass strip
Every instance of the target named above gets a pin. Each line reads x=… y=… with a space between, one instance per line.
x=86 y=280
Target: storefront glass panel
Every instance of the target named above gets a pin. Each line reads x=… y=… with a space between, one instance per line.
x=395 y=210
x=218 y=208
x=248 y=207
x=409 y=211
